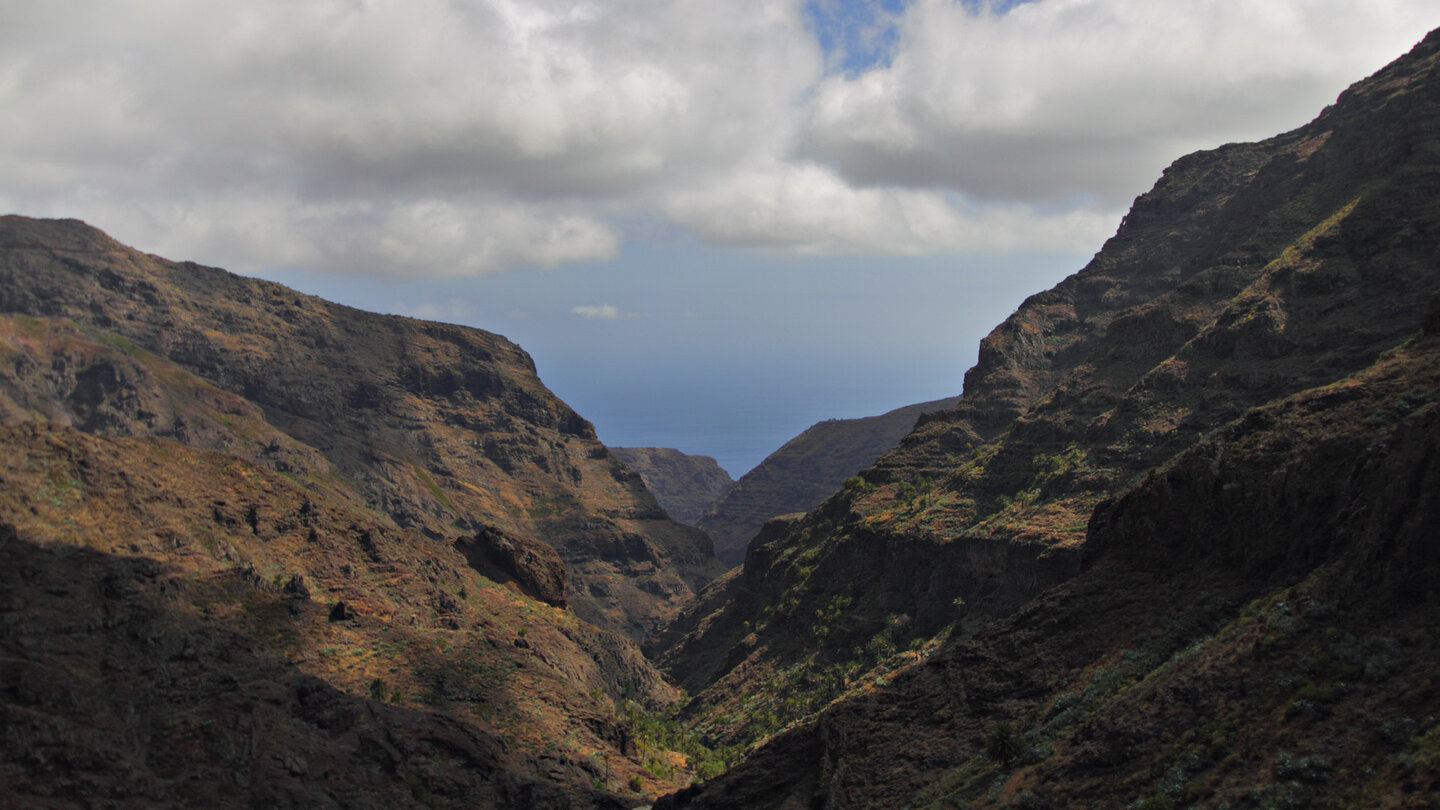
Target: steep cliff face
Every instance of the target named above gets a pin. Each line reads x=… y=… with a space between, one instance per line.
x=446 y=430
x=262 y=550
x=684 y=485
x=1247 y=274
x=180 y=626
x=1256 y=627
x=804 y=472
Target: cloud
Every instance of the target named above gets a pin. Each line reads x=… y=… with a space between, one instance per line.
x=432 y=137
x=433 y=238
x=1068 y=102
x=808 y=208
x=464 y=137
x=452 y=311
x=601 y=312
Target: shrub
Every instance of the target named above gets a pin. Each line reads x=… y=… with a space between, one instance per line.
x=1312 y=768
x=1004 y=744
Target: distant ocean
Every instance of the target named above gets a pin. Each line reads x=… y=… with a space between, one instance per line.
x=731 y=354
x=738 y=418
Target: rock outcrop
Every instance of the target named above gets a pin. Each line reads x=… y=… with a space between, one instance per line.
x=533 y=567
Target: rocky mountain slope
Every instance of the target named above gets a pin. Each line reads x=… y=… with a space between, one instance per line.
x=182 y=628
x=1043 y=595
x=683 y=484
x=1256 y=627
x=805 y=471
x=446 y=430
x=263 y=550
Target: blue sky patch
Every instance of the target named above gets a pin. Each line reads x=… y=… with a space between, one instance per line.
x=859 y=34
x=855 y=34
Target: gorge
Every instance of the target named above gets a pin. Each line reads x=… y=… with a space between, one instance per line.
x=1176 y=544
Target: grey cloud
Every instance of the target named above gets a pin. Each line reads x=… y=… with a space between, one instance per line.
x=1051 y=168
x=454 y=137
x=603 y=312
x=506 y=132
x=1062 y=102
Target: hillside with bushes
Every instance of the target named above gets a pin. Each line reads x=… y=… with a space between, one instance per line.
x=1173 y=544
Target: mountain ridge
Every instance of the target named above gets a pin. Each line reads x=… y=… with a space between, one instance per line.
x=682 y=483
x=1288 y=667
x=393 y=403
x=304 y=551
x=805 y=471
x=1249 y=273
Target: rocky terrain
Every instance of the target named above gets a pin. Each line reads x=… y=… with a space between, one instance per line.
x=264 y=550
x=183 y=628
x=1172 y=545
x=1177 y=544
x=446 y=430
x=804 y=472
x=683 y=484
x=1255 y=627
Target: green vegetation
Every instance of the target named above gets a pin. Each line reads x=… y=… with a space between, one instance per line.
x=30 y=326
x=433 y=488
x=550 y=506
x=61 y=488
x=378 y=691
x=123 y=344
x=1292 y=253
x=790 y=694
x=916 y=487
x=1018 y=501
x=1052 y=468
x=656 y=734
x=1004 y=744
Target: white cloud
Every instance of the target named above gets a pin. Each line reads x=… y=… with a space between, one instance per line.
x=452 y=311
x=810 y=209
x=1072 y=101
x=600 y=312
x=428 y=137
x=462 y=137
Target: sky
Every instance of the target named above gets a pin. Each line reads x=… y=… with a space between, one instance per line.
x=711 y=224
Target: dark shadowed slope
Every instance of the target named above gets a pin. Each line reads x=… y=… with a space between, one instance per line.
x=685 y=485
x=180 y=626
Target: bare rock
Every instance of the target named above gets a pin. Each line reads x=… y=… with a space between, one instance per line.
x=531 y=566
x=343 y=612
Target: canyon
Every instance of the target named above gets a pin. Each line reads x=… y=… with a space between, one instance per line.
x=1175 y=544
